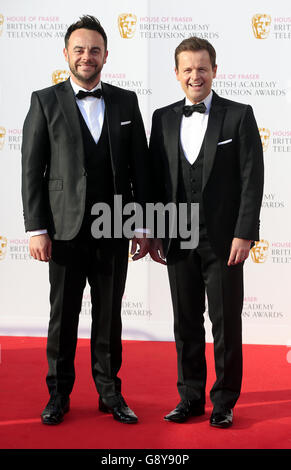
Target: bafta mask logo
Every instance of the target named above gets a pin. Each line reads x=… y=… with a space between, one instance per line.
x=1 y=23
x=259 y=252
x=3 y=247
x=2 y=137
x=265 y=136
x=261 y=26
x=59 y=76
x=127 y=25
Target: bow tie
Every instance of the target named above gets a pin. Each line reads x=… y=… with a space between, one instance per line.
x=95 y=94
x=189 y=110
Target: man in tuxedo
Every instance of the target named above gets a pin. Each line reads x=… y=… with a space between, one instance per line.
x=207 y=150
x=80 y=149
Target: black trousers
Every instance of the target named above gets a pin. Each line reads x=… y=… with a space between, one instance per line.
x=104 y=264
x=192 y=273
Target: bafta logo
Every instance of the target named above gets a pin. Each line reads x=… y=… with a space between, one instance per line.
x=127 y=25
x=3 y=247
x=1 y=23
x=2 y=137
x=261 y=26
x=265 y=136
x=59 y=76
x=259 y=252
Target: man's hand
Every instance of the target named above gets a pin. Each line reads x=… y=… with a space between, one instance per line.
x=239 y=251
x=40 y=247
x=144 y=246
x=156 y=251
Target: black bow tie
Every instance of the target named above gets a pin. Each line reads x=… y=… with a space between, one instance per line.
x=82 y=94
x=189 y=110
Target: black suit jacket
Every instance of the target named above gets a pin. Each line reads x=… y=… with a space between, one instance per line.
x=232 y=185
x=53 y=160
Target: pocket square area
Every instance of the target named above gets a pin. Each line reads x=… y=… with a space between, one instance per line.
x=225 y=142
x=123 y=123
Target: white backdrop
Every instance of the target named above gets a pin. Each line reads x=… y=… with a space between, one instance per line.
x=253 y=67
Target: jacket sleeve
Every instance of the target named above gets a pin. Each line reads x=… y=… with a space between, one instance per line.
x=251 y=177
x=156 y=159
x=140 y=169
x=35 y=159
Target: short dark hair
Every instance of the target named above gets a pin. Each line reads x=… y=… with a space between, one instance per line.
x=195 y=44
x=86 y=22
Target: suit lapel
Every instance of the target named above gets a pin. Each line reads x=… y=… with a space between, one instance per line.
x=171 y=130
x=215 y=121
x=67 y=102
x=112 y=113
x=66 y=99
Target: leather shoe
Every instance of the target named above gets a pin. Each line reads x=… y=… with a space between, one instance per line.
x=119 y=410
x=184 y=410
x=221 y=419
x=54 y=411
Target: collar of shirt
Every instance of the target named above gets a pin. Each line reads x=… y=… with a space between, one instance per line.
x=77 y=88
x=193 y=130
x=92 y=110
x=207 y=101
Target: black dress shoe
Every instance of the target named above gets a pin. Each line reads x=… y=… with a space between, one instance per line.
x=120 y=411
x=184 y=410
x=221 y=419
x=54 y=411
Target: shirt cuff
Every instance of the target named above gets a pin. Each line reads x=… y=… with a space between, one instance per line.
x=37 y=232
x=142 y=230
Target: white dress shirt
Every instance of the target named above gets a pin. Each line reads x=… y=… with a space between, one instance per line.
x=92 y=110
x=193 y=130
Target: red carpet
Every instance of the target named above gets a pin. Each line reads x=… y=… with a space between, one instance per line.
x=262 y=417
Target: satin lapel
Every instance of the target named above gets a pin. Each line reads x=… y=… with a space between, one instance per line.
x=67 y=101
x=215 y=121
x=171 y=123
x=112 y=113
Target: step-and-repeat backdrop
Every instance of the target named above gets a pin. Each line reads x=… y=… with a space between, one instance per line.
x=253 y=44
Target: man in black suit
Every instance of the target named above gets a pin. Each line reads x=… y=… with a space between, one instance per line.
x=78 y=150
x=207 y=150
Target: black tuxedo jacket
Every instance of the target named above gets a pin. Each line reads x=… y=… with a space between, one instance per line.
x=53 y=161
x=232 y=186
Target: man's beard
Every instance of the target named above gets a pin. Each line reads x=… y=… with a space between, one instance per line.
x=85 y=80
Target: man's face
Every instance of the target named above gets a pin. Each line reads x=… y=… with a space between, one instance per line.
x=195 y=73
x=86 y=56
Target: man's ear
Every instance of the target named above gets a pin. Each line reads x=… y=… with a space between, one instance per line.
x=105 y=57
x=214 y=71
x=65 y=52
